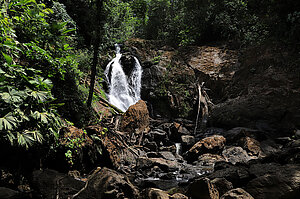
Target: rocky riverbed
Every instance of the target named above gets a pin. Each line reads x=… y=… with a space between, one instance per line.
x=248 y=148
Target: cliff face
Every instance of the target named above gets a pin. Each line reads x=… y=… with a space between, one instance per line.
x=171 y=76
x=256 y=87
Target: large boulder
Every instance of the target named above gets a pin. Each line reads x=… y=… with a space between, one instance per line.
x=136 y=118
x=6 y=193
x=237 y=175
x=237 y=193
x=106 y=183
x=202 y=188
x=222 y=185
x=235 y=155
x=213 y=144
x=164 y=164
x=274 y=181
x=114 y=150
x=52 y=184
x=262 y=95
x=153 y=193
x=178 y=196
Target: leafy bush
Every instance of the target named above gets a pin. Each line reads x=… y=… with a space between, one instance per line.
x=32 y=51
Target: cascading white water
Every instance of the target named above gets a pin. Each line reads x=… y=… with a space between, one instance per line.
x=123 y=91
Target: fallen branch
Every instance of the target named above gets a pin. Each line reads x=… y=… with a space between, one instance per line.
x=204 y=99
x=199 y=107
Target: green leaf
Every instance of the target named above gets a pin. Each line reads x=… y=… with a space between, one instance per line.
x=13 y=96
x=11 y=137
x=8 y=122
x=69 y=30
x=43 y=117
x=25 y=139
x=41 y=96
x=7 y=58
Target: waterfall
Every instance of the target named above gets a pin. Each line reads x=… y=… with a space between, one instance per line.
x=123 y=91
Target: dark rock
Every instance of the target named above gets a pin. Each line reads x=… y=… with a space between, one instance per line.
x=269 y=147
x=282 y=182
x=187 y=141
x=211 y=144
x=295 y=143
x=50 y=182
x=150 y=145
x=237 y=175
x=207 y=161
x=202 y=189
x=158 y=135
x=115 y=152
x=239 y=133
x=222 y=185
x=176 y=131
x=283 y=140
x=237 y=193
x=235 y=155
x=171 y=148
x=167 y=155
x=136 y=118
x=165 y=165
x=128 y=63
x=106 y=183
x=6 y=193
x=277 y=107
x=153 y=155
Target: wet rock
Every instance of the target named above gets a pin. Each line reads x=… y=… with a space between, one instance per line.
x=211 y=144
x=6 y=193
x=153 y=193
x=136 y=118
x=237 y=193
x=178 y=196
x=202 y=189
x=106 y=183
x=222 y=185
x=165 y=165
x=235 y=155
x=49 y=182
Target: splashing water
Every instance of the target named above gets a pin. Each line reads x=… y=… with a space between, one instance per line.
x=123 y=91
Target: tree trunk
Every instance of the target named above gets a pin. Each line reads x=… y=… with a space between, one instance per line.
x=93 y=72
x=96 y=36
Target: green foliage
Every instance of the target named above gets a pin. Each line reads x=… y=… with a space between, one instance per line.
x=120 y=22
x=33 y=50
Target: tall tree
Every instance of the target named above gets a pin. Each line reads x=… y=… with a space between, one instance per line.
x=90 y=20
